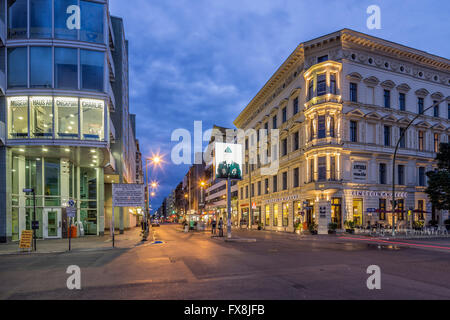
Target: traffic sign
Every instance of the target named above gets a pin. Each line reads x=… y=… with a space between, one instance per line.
x=71 y=203
x=71 y=212
x=35 y=225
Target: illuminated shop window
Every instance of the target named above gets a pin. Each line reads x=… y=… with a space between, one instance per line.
x=93 y=116
x=18 y=117
x=68 y=117
x=41 y=117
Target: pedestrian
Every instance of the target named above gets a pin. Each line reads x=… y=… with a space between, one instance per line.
x=213 y=226
x=220 y=227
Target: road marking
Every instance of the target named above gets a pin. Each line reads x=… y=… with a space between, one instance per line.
x=398 y=243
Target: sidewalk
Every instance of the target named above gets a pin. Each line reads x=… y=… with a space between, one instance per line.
x=130 y=239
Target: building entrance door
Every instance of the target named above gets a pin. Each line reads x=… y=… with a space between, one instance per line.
x=52 y=223
x=358 y=212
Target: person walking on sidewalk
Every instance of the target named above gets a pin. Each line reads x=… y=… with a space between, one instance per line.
x=220 y=227
x=213 y=227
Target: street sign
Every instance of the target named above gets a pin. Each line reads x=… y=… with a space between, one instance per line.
x=128 y=195
x=35 y=225
x=371 y=210
x=28 y=190
x=71 y=203
x=26 y=240
x=71 y=212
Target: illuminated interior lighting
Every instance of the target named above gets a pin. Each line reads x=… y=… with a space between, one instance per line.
x=44 y=149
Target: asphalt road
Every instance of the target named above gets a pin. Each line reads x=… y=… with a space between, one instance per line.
x=276 y=266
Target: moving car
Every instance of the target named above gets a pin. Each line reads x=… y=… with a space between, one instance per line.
x=155 y=223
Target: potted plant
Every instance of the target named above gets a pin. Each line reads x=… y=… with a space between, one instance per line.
x=260 y=226
x=332 y=228
x=447 y=224
x=298 y=226
x=312 y=228
x=349 y=226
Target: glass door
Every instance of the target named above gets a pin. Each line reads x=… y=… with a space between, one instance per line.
x=52 y=223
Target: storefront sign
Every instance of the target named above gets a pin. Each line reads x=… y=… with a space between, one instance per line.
x=288 y=198
x=380 y=194
x=360 y=171
x=128 y=195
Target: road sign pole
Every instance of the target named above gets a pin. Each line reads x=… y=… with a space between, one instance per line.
x=70 y=232
x=34 y=218
x=229 y=207
x=112 y=226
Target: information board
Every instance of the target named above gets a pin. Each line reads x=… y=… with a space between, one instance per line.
x=26 y=239
x=128 y=195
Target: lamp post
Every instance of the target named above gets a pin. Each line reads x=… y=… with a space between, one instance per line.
x=156 y=160
x=394 y=203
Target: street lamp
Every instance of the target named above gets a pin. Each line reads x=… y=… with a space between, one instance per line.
x=402 y=136
x=155 y=160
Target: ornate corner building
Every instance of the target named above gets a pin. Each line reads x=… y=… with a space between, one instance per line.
x=65 y=126
x=340 y=103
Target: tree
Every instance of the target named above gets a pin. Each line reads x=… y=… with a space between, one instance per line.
x=439 y=180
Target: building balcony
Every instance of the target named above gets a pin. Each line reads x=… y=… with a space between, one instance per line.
x=325 y=101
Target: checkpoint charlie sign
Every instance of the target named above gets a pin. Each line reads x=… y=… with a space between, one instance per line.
x=128 y=195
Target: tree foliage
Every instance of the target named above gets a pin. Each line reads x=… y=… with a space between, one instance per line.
x=439 y=180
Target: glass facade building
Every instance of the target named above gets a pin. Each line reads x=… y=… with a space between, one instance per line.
x=60 y=115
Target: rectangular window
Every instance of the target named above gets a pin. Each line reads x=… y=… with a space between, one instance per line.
x=275 y=183
x=284 y=147
x=401 y=175
x=66 y=68
x=321 y=85
x=387 y=136
x=296 y=106
x=332 y=127
x=420 y=104
x=92 y=119
x=17 y=67
x=321 y=130
x=285 y=214
x=266 y=127
x=422 y=176
x=52 y=182
x=267 y=213
x=18 y=118
x=401 y=209
x=259 y=188
x=41 y=67
x=274 y=122
x=41 y=19
x=296 y=138
x=266 y=186
x=448 y=113
x=387 y=98
x=275 y=215
x=322 y=59
x=253 y=189
x=402 y=101
x=333 y=168
x=420 y=208
x=436 y=142
x=92 y=20
x=311 y=170
x=242 y=193
x=403 y=137
x=41 y=110
x=353 y=131
x=322 y=168
x=92 y=66
x=61 y=30
x=311 y=89
x=436 y=109
x=246 y=192
x=382 y=173
x=284 y=112
x=285 y=180
x=17 y=19
x=353 y=92
x=296 y=178
x=421 y=140
x=333 y=84
x=68 y=117
x=382 y=208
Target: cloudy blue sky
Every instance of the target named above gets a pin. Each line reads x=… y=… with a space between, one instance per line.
x=206 y=59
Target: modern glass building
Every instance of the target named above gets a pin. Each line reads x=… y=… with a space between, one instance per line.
x=60 y=75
